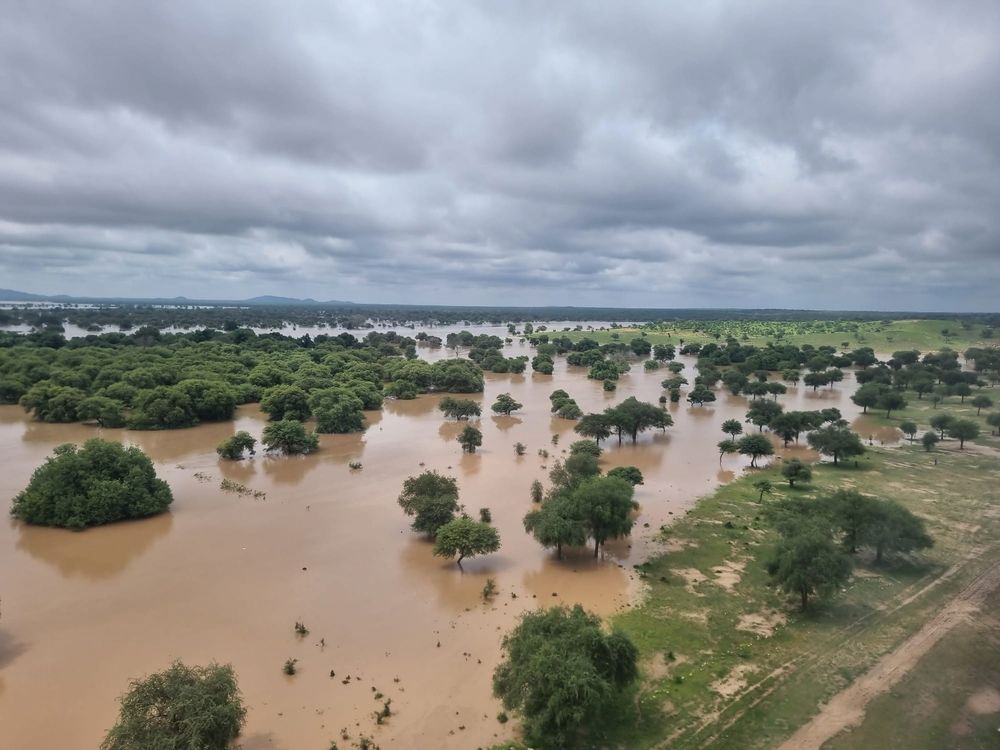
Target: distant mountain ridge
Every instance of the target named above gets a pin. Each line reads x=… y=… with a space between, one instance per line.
x=13 y=295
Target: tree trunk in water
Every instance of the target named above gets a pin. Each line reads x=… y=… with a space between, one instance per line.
x=559 y=550
x=597 y=547
x=460 y=558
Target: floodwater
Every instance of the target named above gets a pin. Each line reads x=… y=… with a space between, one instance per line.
x=225 y=577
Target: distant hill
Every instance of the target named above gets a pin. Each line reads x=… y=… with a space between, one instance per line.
x=12 y=295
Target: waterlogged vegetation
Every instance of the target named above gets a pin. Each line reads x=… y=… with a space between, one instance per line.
x=736 y=637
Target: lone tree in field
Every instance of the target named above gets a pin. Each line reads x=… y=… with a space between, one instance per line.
x=233 y=447
x=909 y=429
x=993 y=420
x=754 y=446
x=929 y=440
x=470 y=438
x=962 y=430
x=432 y=500
x=565 y=676
x=941 y=423
x=890 y=528
x=289 y=436
x=464 y=538
x=836 y=441
x=732 y=427
x=982 y=402
x=100 y=483
x=795 y=470
x=180 y=708
x=505 y=404
x=459 y=408
x=807 y=562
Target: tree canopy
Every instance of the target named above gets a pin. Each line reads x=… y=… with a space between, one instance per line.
x=432 y=500
x=463 y=537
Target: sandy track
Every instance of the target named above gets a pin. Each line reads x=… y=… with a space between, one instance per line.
x=847 y=708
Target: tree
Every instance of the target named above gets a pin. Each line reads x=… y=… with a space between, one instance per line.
x=700 y=395
x=289 y=436
x=565 y=675
x=982 y=402
x=100 y=482
x=909 y=429
x=762 y=413
x=431 y=498
x=727 y=446
x=764 y=487
x=632 y=416
x=891 y=401
x=962 y=390
x=941 y=423
x=795 y=470
x=962 y=430
x=285 y=402
x=630 y=474
x=836 y=441
x=754 y=446
x=465 y=538
x=557 y=522
x=232 y=448
x=470 y=438
x=107 y=412
x=929 y=440
x=850 y=511
x=868 y=395
x=536 y=491
x=815 y=379
x=180 y=708
x=585 y=446
x=732 y=427
x=606 y=507
x=505 y=404
x=891 y=528
x=459 y=408
x=337 y=409
x=993 y=420
x=807 y=563
x=595 y=426
x=52 y=403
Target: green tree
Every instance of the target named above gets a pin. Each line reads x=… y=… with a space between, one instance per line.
x=337 y=409
x=285 y=402
x=606 y=507
x=632 y=416
x=909 y=429
x=764 y=487
x=181 y=708
x=470 y=438
x=558 y=521
x=289 y=436
x=942 y=423
x=982 y=402
x=929 y=440
x=52 y=403
x=459 y=408
x=630 y=474
x=595 y=426
x=754 y=446
x=891 y=528
x=505 y=404
x=891 y=401
x=565 y=676
x=868 y=395
x=993 y=420
x=232 y=448
x=732 y=427
x=432 y=500
x=836 y=441
x=807 y=562
x=465 y=538
x=701 y=394
x=98 y=483
x=727 y=446
x=962 y=430
x=762 y=413
x=105 y=411
x=795 y=470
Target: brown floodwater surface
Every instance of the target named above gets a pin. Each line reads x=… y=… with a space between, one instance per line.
x=224 y=577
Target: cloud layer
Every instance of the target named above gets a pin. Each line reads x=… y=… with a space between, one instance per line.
x=771 y=154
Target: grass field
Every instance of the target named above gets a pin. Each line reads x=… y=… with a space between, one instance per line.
x=882 y=336
x=731 y=663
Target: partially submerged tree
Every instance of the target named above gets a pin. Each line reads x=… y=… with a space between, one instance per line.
x=100 y=482
x=463 y=537
x=909 y=429
x=289 y=436
x=557 y=522
x=233 y=447
x=180 y=708
x=754 y=446
x=505 y=404
x=431 y=498
x=470 y=438
x=630 y=474
x=565 y=675
x=836 y=441
x=459 y=408
x=606 y=507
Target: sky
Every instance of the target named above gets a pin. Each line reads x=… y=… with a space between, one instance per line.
x=823 y=155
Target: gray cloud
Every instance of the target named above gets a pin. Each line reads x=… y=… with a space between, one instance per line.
x=704 y=154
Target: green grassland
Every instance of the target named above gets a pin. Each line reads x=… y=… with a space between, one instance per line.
x=881 y=335
x=711 y=683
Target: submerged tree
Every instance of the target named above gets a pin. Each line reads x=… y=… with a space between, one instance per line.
x=180 y=708
x=463 y=537
x=505 y=404
x=754 y=446
x=289 y=436
x=233 y=447
x=565 y=675
x=470 y=438
x=431 y=498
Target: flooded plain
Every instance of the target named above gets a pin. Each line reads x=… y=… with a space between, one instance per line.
x=224 y=577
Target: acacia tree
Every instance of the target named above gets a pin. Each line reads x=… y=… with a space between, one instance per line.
x=606 y=506
x=891 y=528
x=836 y=441
x=178 y=709
x=505 y=404
x=564 y=675
x=289 y=436
x=909 y=429
x=993 y=420
x=929 y=440
x=470 y=438
x=431 y=498
x=732 y=427
x=941 y=423
x=463 y=537
x=727 y=446
x=701 y=394
x=594 y=426
x=632 y=416
x=982 y=402
x=795 y=470
x=807 y=562
x=891 y=401
x=233 y=447
x=459 y=408
x=754 y=446
x=557 y=522
x=962 y=430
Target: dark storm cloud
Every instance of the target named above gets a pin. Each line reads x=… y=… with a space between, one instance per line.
x=713 y=154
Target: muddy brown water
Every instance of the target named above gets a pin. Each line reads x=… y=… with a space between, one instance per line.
x=225 y=577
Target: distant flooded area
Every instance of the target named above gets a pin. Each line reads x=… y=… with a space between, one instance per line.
x=225 y=576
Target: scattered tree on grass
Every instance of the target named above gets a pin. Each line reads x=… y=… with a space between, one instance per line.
x=891 y=401
x=962 y=430
x=941 y=423
x=982 y=402
x=929 y=440
x=807 y=562
x=764 y=487
x=100 y=482
x=289 y=436
x=891 y=528
x=565 y=675
x=233 y=447
x=431 y=498
x=463 y=537
x=505 y=404
x=795 y=470
x=470 y=438
x=993 y=420
x=180 y=708
x=909 y=429
x=836 y=441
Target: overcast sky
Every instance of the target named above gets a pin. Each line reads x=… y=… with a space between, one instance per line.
x=668 y=154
